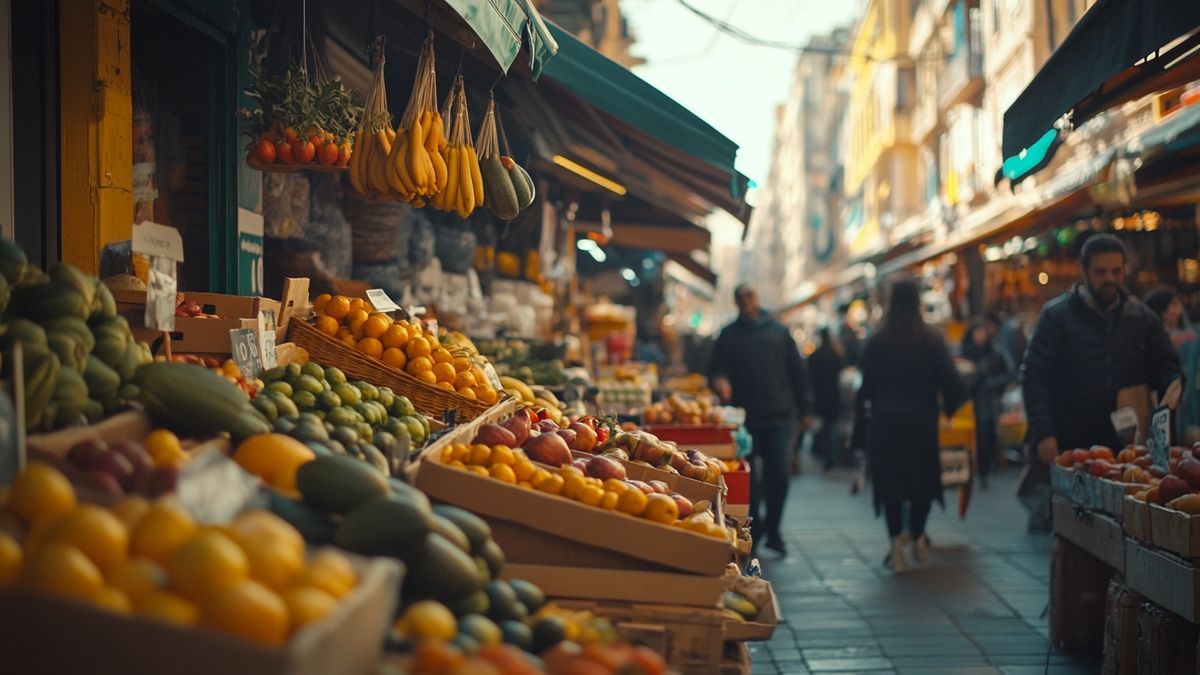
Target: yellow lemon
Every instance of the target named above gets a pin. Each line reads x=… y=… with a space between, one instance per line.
x=248 y=610
x=40 y=492
x=62 y=569
x=207 y=563
x=163 y=529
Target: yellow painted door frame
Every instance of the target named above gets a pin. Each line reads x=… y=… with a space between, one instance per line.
x=96 y=128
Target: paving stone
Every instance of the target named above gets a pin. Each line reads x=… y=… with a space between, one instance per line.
x=841 y=652
x=855 y=665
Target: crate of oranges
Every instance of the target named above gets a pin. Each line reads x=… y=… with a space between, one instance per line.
x=372 y=346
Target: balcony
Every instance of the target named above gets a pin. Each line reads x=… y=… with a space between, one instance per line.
x=961 y=79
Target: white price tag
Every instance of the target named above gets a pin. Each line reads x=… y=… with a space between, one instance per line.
x=380 y=300
x=266 y=338
x=156 y=240
x=164 y=246
x=243 y=344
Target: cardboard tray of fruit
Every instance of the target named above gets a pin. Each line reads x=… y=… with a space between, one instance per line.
x=761 y=627
x=203 y=321
x=538 y=528
x=348 y=641
x=691 y=488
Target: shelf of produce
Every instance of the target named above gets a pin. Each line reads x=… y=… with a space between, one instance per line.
x=103 y=643
x=295 y=168
x=1096 y=533
x=538 y=528
x=1167 y=580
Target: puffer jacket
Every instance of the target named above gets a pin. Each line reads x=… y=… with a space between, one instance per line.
x=763 y=365
x=1078 y=359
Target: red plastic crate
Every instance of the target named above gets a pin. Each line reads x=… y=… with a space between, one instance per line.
x=737 y=484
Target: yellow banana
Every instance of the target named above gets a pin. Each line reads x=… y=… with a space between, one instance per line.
x=470 y=199
x=449 y=194
x=416 y=167
x=438 y=166
x=476 y=176
x=356 y=161
x=393 y=178
x=377 y=179
x=399 y=166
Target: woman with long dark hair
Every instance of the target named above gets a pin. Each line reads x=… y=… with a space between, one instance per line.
x=908 y=377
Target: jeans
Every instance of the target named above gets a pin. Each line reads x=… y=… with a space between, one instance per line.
x=986 y=442
x=769 y=476
x=918 y=513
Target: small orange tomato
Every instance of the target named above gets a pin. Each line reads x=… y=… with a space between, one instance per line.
x=290 y=134
x=343 y=154
x=303 y=151
x=328 y=154
x=316 y=140
x=284 y=152
x=264 y=151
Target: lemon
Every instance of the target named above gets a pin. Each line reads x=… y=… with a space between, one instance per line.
x=63 y=570
x=427 y=620
x=168 y=607
x=306 y=605
x=207 y=563
x=163 y=529
x=249 y=610
x=137 y=578
x=95 y=532
x=40 y=492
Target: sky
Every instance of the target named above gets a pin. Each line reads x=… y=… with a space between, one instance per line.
x=732 y=85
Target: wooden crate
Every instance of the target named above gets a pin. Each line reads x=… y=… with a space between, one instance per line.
x=1078 y=589
x=1121 y=630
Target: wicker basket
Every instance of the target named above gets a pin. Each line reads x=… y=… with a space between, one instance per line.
x=375 y=228
x=427 y=398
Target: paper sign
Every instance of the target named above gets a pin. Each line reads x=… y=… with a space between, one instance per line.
x=243 y=343
x=266 y=338
x=493 y=379
x=214 y=489
x=161 y=292
x=158 y=241
x=380 y=301
x=1159 y=438
x=1125 y=422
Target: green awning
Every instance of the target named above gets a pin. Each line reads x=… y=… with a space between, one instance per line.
x=612 y=88
x=1097 y=57
x=501 y=24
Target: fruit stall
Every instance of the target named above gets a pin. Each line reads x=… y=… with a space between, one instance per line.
x=1125 y=564
x=379 y=500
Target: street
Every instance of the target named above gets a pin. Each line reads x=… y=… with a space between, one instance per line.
x=978 y=606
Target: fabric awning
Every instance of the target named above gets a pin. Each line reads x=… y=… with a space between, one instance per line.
x=1097 y=57
x=615 y=90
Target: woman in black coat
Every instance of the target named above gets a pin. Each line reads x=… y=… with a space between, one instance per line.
x=908 y=378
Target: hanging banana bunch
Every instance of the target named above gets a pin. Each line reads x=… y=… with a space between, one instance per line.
x=416 y=168
x=464 y=184
x=374 y=139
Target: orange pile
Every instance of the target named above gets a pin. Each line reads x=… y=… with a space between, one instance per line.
x=401 y=344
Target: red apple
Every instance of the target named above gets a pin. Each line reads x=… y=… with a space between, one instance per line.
x=660 y=487
x=604 y=468
x=83 y=453
x=685 y=505
x=547 y=426
x=643 y=486
x=581 y=464
x=585 y=437
x=1172 y=487
x=548 y=449
x=568 y=436
x=494 y=434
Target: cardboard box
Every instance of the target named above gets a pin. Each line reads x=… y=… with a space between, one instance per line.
x=667 y=588
x=1170 y=582
x=1174 y=531
x=46 y=634
x=538 y=528
x=1165 y=644
x=691 y=488
x=761 y=628
x=1076 y=486
x=1093 y=532
x=204 y=337
x=1108 y=496
x=1136 y=519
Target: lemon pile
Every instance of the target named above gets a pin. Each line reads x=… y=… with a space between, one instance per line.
x=402 y=345
x=250 y=578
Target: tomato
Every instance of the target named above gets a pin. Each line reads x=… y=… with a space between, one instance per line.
x=1065 y=459
x=303 y=151
x=1102 y=453
x=601 y=434
x=344 y=154
x=290 y=134
x=284 y=151
x=316 y=140
x=328 y=154
x=264 y=151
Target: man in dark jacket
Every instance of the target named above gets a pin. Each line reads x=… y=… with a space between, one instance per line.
x=1087 y=345
x=757 y=366
x=825 y=366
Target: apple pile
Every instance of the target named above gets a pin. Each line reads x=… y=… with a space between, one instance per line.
x=1176 y=487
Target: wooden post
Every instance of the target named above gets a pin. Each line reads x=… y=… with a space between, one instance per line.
x=96 y=129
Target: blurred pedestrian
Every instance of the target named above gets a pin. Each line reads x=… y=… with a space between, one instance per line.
x=908 y=378
x=993 y=374
x=1166 y=304
x=1087 y=345
x=825 y=367
x=757 y=366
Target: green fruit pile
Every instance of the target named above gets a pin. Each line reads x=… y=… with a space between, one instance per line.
x=333 y=416
x=79 y=356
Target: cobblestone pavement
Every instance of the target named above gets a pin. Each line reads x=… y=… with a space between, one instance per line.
x=978 y=606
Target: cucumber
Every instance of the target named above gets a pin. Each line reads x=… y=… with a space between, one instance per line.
x=339 y=484
x=385 y=526
x=477 y=531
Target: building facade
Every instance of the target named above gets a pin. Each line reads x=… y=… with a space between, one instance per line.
x=598 y=23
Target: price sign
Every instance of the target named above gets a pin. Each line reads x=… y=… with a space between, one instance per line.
x=266 y=338
x=380 y=300
x=164 y=246
x=492 y=377
x=1159 y=438
x=243 y=343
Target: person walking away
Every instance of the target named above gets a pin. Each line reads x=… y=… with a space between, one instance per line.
x=1087 y=345
x=908 y=378
x=756 y=366
x=1166 y=304
x=825 y=368
x=993 y=374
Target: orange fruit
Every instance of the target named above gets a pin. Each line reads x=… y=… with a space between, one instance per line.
x=137 y=578
x=502 y=454
x=130 y=509
x=114 y=600
x=370 y=346
x=426 y=376
x=616 y=485
x=40 y=492
x=271 y=563
x=396 y=336
x=427 y=620
x=342 y=332
x=462 y=364
x=591 y=495
x=420 y=364
x=350 y=340
x=306 y=604
x=444 y=372
x=440 y=385
x=61 y=569
x=633 y=502
x=551 y=484
x=355 y=319
x=321 y=301
x=419 y=346
x=469 y=392
x=478 y=470
x=573 y=484
x=359 y=304
x=207 y=563
x=10 y=559
x=523 y=469
x=376 y=325
x=95 y=532
x=168 y=607
x=162 y=443
x=443 y=355
x=248 y=610
x=609 y=501
x=262 y=524
x=273 y=458
x=487 y=395
x=331 y=572
x=479 y=454
x=502 y=472
x=338 y=307
x=160 y=532
x=661 y=509
x=394 y=357
x=327 y=325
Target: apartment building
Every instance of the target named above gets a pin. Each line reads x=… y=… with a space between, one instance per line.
x=599 y=23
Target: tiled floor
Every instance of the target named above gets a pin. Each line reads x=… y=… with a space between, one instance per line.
x=979 y=606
